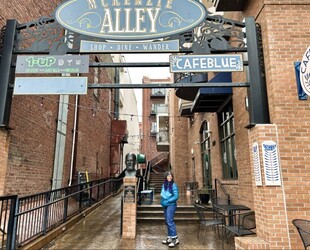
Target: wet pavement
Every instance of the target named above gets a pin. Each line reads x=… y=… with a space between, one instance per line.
x=101 y=230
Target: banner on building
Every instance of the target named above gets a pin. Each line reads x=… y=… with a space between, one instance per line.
x=256 y=163
x=271 y=163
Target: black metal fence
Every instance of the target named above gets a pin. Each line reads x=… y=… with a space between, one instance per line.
x=24 y=219
x=7 y=209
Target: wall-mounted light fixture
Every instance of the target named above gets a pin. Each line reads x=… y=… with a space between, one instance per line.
x=192 y=151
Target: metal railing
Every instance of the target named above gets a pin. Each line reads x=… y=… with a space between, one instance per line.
x=27 y=218
x=219 y=183
x=7 y=208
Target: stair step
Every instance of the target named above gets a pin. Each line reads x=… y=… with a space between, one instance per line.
x=154 y=212
x=163 y=219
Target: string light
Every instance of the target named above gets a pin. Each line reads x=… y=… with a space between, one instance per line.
x=106 y=110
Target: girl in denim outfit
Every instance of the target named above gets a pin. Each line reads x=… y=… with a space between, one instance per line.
x=169 y=196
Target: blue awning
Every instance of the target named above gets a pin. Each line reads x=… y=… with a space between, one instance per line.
x=189 y=94
x=211 y=99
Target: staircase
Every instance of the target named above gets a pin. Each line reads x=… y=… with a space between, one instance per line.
x=155 y=212
x=156 y=181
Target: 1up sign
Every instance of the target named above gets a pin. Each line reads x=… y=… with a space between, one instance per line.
x=130 y=19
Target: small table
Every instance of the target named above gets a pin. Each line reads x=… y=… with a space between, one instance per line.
x=231 y=209
x=146 y=197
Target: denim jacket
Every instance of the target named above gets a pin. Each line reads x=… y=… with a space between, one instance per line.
x=167 y=198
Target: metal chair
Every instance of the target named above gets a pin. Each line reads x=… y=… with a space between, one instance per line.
x=303 y=228
x=213 y=219
x=238 y=224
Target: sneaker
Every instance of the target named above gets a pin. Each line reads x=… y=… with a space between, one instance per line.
x=167 y=241
x=175 y=241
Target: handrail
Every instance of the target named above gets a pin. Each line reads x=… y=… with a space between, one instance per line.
x=36 y=214
x=222 y=188
x=158 y=158
x=147 y=174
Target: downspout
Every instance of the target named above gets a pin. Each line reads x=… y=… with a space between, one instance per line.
x=73 y=139
x=116 y=100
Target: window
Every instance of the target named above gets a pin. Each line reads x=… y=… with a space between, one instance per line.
x=205 y=145
x=153 y=128
x=227 y=136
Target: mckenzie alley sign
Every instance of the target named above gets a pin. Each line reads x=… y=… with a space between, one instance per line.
x=130 y=19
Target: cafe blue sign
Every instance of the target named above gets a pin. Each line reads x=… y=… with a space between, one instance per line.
x=130 y=19
x=206 y=63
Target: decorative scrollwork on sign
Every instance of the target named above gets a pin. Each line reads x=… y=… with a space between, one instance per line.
x=44 y=35
x=172 y=19
x=217 y=33
x=260 y=49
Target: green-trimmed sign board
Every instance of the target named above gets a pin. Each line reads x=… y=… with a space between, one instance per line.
x=52 y=64
x=206 y=63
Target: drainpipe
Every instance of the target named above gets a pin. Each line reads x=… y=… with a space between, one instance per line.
x=73 y=138
x=116 y=100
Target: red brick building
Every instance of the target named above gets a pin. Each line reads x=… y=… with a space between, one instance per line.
x=222 y=144
x=155 y=120
x=50 y=138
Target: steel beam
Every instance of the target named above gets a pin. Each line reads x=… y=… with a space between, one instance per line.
x=257 y=92
x=5 y=72
x=166 y=85
x=135 y=64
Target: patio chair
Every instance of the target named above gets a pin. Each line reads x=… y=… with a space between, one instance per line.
x=303 y=228
x=213 y=219
x=238 y=224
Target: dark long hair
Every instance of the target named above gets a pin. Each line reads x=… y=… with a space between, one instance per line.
x=168 y=184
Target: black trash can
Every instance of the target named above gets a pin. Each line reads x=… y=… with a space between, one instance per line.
x=204 y=198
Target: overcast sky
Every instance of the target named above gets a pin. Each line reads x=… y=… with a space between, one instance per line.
x=136 y=74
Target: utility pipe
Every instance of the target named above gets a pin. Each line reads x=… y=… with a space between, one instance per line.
x=73 y=138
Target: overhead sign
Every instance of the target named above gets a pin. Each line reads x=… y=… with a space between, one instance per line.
x=52 y=64
x=206 y=63
x=130 y=19
x=305 y=72
x=50 y=86
x=165 y=46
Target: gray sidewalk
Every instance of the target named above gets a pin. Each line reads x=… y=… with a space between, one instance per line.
x=101 y=230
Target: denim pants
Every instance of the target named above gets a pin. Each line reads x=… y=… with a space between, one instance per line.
x=169 y=219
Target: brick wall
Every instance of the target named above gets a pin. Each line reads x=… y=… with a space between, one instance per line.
x=129 y=210
x=34 y=121
x=179 y=158
x=4 y=144
x=269 y=201
x=284 y=25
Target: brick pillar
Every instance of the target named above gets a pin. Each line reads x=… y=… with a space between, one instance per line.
x=4 y=151
x=269 y=201
x=130 y=208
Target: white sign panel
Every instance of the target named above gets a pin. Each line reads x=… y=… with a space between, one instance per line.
x=256 y=163
x=271 y=163
x=50 y=86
